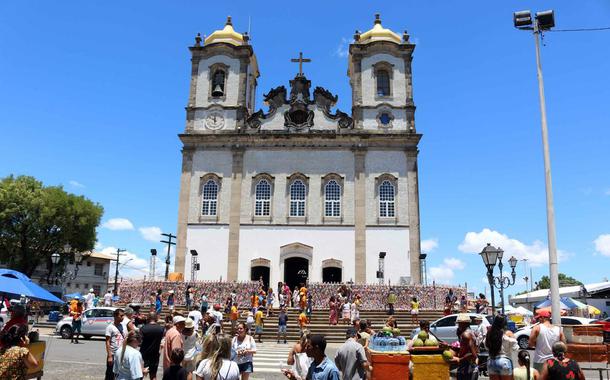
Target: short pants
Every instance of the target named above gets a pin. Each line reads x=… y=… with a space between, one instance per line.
x=281 y=329
x=152 y=363
x=500 y=365
x=247 y=367
x=76 y=326
x=258 y=330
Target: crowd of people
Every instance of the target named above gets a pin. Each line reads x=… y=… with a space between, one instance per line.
x=372 y=296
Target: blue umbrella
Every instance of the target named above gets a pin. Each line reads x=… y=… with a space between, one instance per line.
x=14 y=284
x=565 y=303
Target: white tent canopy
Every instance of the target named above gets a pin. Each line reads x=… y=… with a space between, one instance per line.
x=519 y=311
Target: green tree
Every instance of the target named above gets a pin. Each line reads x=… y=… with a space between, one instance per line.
x=564 y=280
x=37 y=220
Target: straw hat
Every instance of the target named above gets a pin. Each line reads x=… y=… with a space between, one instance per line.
x=462 y=318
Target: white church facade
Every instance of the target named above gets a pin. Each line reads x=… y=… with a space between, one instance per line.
x=300 y=192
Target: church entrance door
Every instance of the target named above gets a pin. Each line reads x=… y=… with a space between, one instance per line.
x=331 y=274
x=260 y=271
x=296 y=271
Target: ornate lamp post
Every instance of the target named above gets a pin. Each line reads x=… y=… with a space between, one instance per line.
x=492 y=255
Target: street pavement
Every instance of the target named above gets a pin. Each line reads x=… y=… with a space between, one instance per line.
x=86 y=360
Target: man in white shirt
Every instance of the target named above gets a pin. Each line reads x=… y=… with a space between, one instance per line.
x=108 y=298
x=89 y=299
x=195 y=315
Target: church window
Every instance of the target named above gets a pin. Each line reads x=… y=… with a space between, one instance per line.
x=297 y=198
x=386 y=200
x=218 y=83
x=332 y=199
x=210 y=198
x=262 y=194
x=385 y=118
x=383 y=83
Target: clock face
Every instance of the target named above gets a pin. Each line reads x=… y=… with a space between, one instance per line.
x=215 y=120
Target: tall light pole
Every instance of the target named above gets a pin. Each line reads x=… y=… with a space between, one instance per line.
x=116 y=270
x=169 y=243
x=542 y=21
x=153 y=264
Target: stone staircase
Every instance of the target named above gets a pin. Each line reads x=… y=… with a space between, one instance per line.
x=319 y=323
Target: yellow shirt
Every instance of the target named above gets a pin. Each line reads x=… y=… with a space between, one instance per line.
x=414 y=305
x=302 y=319
x=258 y=318
x=234 y=313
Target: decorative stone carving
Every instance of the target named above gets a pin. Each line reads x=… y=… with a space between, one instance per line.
x=299 y=116
x=325 y=100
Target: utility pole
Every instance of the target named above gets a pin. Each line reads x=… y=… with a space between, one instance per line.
x=116 y=272
x=169 y=243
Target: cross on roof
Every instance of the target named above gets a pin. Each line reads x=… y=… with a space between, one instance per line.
x=300 y=60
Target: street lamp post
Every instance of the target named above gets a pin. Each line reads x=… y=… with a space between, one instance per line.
x=542 y=21
x=492 y=255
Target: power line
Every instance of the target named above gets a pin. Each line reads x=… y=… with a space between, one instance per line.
x=580 y=30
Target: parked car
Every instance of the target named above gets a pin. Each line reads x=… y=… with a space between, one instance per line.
x=445 y=328
x=606 y=325
x=523 y=334
x=94 y=322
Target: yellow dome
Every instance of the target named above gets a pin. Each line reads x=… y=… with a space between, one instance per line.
x=378 y=33
x=227 y=35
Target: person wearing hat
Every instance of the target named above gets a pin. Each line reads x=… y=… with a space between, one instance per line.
x=542 y=337
x=466 y=357
x=190 y=338
x=351 y=358
x=76 y=313
x=89 y=299
x=173 y=339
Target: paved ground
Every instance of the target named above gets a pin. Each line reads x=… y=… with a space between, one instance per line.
x=86 y=360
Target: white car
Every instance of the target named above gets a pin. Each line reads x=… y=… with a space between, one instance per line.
x=445 y=328
x=523 y=334
x=94 y=322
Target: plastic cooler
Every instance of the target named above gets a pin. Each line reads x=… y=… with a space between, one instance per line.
x=430 y=367
x=390 y=365
x=54 y=316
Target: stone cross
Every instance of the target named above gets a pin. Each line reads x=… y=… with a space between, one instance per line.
x=300 y=60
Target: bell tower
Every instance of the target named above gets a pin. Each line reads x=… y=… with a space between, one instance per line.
x=381 y=80
x=223 y=81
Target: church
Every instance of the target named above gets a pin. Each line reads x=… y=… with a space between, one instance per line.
x=299 y=190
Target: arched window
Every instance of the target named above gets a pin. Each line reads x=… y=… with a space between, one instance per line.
x=332 y=199
x=297 y=198
x=383 y=82
x=386 y=200
x=218 y=83
x=210 y=198
x=262 y=195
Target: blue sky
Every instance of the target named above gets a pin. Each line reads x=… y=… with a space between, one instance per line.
x=92 y=97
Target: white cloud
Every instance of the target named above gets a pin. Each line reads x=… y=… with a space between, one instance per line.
x=118 y=224
x=602 y=244
x=453 y=263
x=429 y=245
x=130 y=264
x=444 y=272
x=342 y=50
x=536 y=253
x=76 y=184
x=151 y=233
x=607 y=192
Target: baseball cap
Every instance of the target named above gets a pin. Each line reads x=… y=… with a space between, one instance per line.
x=178 y=319
x=544 y=313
